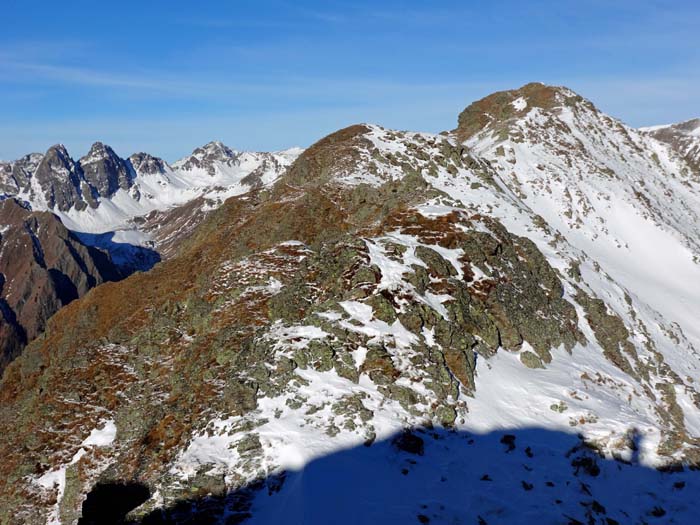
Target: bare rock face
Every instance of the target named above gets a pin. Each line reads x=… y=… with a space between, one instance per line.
x=105 y=171
x=15 y=176
x=61 y=179
x=42 y=268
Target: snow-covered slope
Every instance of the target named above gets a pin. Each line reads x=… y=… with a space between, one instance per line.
x=684 y=138
x=626 y=200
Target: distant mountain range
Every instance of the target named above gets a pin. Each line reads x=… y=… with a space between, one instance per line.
x=494 y=324
x=102 y=191
x=131 y=210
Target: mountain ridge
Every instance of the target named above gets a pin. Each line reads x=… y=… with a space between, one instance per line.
x=388 y=280
x=72 y=188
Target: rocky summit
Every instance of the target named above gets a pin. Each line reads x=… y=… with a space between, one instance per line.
x=495 y=324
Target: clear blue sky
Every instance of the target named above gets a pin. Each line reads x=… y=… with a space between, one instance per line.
x=167 y=76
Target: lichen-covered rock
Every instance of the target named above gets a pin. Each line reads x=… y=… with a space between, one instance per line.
x=531 y=360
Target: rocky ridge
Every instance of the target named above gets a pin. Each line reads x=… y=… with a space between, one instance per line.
x=684 y=138
x=387 y=281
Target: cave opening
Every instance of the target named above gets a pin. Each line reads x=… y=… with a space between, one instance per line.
x=109 y=503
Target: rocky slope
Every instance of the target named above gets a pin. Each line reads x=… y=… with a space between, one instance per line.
x=684 y=138
x=42 y=268
x=491 y=325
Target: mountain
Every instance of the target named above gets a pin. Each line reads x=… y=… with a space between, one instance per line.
x=102 y=192
x=105 y=172
x=15 y=176
x=129 y=208
x=42 y=268
x=684 y=138
x=495 y=324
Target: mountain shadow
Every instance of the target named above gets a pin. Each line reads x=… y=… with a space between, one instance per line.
x=128 y=258
x=437 y=476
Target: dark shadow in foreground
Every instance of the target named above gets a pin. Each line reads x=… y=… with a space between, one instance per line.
x=436 y=476
x=108 y=503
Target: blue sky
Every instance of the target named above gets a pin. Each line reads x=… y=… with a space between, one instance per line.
x=167 y=76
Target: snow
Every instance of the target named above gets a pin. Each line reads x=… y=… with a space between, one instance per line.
x=519 y=103
x=393 y=270
x=467 y=477
x=294 y=337
x=290 y=437
x=379 y=331
x=56 y=479
x=101 y=437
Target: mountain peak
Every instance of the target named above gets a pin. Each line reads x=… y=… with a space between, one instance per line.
x=147 y=164
x=206 y=156
x=58 y=149
x=687 y=127
x=684 y=139
x=692 y=126
x=502 y=106
x=98 y=151
x=216 y=148
x=105 y=171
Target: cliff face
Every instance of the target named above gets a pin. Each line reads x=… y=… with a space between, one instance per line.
x=404 y=293
x=42 y=268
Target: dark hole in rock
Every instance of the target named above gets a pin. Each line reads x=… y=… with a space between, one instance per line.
x=109 y=503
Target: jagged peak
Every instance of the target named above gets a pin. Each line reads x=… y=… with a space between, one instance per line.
x=216 y=147
x=205 y=156
x=145 y=163
x=59 y=149
x=58 y=153
x=98 y=151
x=30 y=158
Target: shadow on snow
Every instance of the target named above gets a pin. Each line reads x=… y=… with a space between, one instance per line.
x=435 y=476
x=128 y=258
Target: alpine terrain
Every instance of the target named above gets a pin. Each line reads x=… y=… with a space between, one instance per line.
x=495 y=324
x=126 y=213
